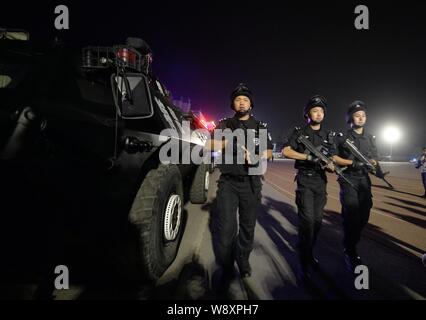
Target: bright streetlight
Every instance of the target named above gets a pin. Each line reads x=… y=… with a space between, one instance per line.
x=392 y=135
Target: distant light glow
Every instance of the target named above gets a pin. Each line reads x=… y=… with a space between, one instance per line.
x=392 y=134
x=209 y=125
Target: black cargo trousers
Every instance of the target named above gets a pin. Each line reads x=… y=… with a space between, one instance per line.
x=356 y=206
x=311 y=198
x=424 y=180
x=234 y=234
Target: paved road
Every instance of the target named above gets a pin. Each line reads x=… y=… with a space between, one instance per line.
x=391 y=247
x=398 y=214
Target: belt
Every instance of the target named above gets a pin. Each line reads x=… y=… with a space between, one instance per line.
x=311 y=173
x=241 y=179
x=237 y=178
x=358 y=173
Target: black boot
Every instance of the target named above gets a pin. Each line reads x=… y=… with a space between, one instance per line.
x=225 y=280
x=313 y=262
x=228 y=273
x=305 y=274
x=305 y=262
x=352 y=259
x=244 y=266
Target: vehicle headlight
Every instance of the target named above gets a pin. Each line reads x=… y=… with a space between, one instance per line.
x=4 y=81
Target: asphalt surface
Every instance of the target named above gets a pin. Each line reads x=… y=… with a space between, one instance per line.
x=392 y=246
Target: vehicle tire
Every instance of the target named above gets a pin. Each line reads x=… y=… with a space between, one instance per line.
x=200 y=185
x=157 y=215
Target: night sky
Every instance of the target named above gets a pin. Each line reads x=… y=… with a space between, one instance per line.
x=284 y=52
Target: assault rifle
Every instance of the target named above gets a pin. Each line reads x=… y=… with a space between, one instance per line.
x=375 y=170
x=322 y=154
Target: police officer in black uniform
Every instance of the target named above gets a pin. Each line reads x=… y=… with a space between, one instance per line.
x=421 y=164
x=238 y=189
x=311 y=195
x=356 y=203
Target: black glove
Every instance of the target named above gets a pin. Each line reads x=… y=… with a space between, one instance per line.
x=254 y=160
x=313 y=159
x=358 y=165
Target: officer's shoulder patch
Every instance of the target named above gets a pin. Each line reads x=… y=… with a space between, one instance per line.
x=224 y=121
x=263 y=124
x=370 y=136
